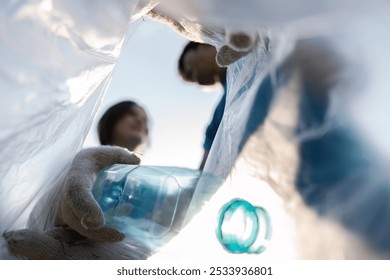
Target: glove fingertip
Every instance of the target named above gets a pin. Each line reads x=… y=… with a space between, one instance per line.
x=92 y=222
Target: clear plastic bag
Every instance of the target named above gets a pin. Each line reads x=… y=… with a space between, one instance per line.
x=57 y=60
x=309 y=118
x=58 y=57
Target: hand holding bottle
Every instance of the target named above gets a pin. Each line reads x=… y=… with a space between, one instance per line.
x=79 y=217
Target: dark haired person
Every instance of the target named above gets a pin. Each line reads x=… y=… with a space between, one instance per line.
x=197 y=64
x=124 y=124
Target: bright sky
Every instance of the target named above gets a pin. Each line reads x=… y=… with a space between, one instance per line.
x=179 y=111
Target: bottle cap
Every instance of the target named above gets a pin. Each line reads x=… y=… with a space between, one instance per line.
x=243 y=228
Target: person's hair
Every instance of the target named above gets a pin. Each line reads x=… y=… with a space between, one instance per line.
x=111 y=117
x=190 y=46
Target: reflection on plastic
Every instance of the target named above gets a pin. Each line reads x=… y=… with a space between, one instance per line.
x=243 y=228
x=147 y=203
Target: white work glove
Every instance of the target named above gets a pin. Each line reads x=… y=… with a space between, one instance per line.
x=80 y=231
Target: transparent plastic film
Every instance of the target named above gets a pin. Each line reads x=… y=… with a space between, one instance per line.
x=58 y=57
x=303 y=136
x=311 y=133
x=302 y=123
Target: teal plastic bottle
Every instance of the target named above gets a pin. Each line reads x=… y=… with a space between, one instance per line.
x=146 y=203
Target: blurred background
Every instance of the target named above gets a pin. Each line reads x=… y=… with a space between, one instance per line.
x=179 y=111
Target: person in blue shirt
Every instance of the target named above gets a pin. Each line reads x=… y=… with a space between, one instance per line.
x=197 y=64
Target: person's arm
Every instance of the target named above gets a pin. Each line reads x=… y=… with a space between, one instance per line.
x=212 y=129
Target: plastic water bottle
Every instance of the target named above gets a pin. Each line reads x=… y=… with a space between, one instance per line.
x=147 y=203
x=243 y=228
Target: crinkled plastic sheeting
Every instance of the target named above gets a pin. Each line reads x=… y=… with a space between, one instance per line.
x=307 y=115
x=57 y=60
x=312 y=152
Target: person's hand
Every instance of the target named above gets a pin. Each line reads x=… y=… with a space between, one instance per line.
x=78 y=211
x=77 y=208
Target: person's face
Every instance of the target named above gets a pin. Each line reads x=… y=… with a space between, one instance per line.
x=200 y=66
x=131 y=130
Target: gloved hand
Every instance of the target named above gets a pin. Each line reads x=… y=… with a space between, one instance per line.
x=79 y=215
x=77 y=208
x=238 y=43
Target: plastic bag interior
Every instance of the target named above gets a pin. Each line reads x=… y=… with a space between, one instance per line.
x=303 y=134
x=58 y=59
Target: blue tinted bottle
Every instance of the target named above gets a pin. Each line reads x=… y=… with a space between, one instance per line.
x=146 y=203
